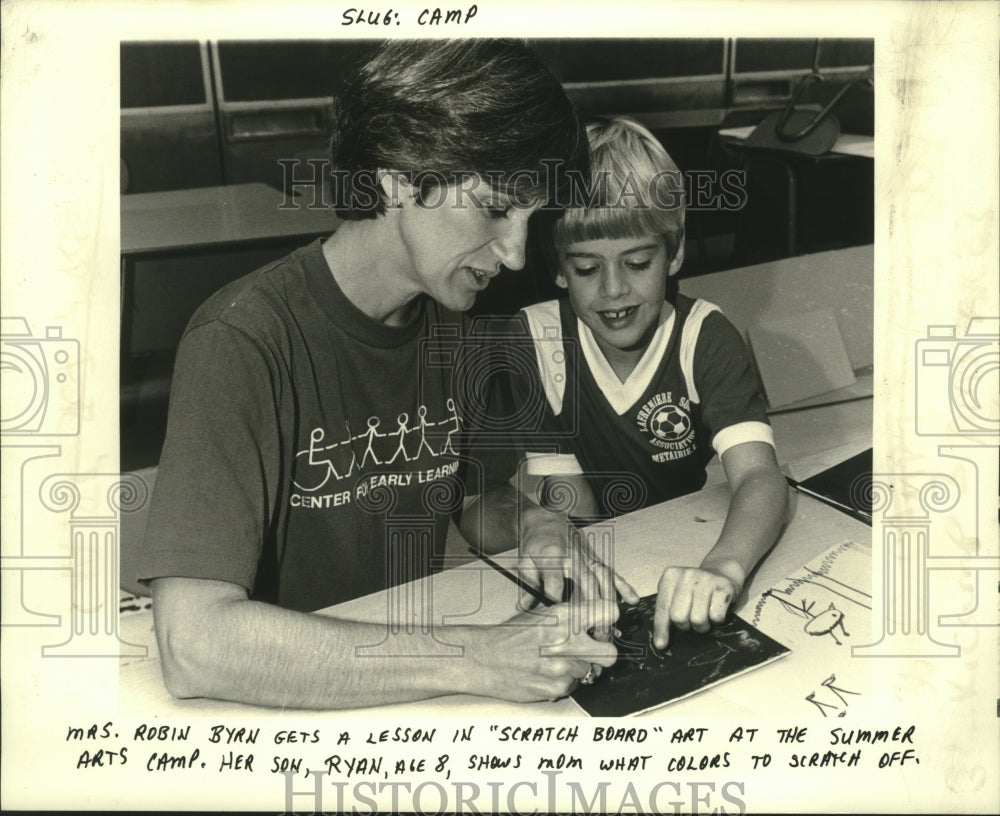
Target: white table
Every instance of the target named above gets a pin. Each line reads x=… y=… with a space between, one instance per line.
x=677 y=532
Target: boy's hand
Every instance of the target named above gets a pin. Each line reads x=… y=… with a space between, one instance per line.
x=693 y=598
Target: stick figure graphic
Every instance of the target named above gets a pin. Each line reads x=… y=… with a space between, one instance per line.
x=314 y=458
x=370 y=434
x=347 y=441
x=456 y=420
x=422 y=413
x=402 y=419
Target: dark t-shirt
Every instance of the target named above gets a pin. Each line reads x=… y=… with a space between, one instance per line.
x=647 y=440
x=313 y=454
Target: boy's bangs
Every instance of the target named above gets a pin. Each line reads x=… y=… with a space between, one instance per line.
x=613 y=222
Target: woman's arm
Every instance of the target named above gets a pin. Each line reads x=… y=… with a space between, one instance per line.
x=215 y=642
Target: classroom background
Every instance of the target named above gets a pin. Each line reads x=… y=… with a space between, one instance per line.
x=217 y=136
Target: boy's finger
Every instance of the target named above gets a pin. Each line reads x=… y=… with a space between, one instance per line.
x=719 y=607
x=701 y=607
x=680 y=608
x=661 y=617
x=661 y=630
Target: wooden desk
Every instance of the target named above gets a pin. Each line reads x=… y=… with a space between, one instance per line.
x=677 y=532
x=180 y=246
x=234 y=216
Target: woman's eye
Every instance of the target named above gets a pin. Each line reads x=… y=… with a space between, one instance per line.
x=497 y=212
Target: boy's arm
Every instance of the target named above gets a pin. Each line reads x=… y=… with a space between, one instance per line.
x=694 y=598
x=215 y=642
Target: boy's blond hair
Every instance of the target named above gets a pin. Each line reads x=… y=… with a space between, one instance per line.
x=635 y=189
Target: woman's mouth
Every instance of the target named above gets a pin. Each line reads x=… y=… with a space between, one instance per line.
x=479 y=277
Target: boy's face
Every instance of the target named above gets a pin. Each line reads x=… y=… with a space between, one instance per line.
x=457 y=239
x=617 y=287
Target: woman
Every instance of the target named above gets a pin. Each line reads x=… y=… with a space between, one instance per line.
x=275 y=482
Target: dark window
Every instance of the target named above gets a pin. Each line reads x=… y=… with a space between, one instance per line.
x=846 y=53
x=155 y=74
x=292 y=69
x=587 y=60
x=783 y=55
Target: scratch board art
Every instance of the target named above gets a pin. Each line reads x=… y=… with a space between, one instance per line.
x=645 y=677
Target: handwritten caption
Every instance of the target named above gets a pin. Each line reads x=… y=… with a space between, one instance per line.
x=223 y=748
x=451 y=17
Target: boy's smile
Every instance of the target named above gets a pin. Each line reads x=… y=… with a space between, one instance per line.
x=617 y=287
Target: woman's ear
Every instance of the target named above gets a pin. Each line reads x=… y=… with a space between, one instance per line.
x=396 y=187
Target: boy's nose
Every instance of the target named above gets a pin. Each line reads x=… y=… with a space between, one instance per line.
x=613 y=282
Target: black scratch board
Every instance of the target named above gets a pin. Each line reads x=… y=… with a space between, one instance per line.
x=645 y=678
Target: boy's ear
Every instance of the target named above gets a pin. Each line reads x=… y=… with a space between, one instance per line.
x=678 y=261
x=561 y=281
x=396 y=187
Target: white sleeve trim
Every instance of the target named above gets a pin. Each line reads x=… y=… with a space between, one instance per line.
x=553 y=464
x=689 y=341
x=751 y=431
x=546 y=331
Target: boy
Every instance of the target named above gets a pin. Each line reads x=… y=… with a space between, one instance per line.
x=303 y=411
x=658 y=383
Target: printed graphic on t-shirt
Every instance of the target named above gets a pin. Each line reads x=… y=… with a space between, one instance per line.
x=667 y=421
x=382 y=445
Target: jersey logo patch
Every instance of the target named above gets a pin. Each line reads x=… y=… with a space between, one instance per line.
x=668 y=422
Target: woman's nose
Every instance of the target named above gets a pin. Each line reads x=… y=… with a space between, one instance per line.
x=509 y=246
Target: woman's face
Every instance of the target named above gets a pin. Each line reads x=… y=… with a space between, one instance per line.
x=459 y=236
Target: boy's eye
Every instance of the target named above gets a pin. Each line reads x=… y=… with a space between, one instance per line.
x=584 y=271
x=638 y=266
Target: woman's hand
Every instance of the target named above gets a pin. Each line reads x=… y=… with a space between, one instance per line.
x=552 y=551
x=540 y=655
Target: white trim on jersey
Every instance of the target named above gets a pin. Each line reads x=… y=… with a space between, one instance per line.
x=750 y=431
x=623 y=395
x=689 y=341
x=546 y=331
x=553 y=464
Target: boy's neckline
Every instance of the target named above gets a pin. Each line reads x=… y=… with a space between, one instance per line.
x=622 y=395
x=623 y=364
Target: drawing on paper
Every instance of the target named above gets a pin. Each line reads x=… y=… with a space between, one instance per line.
x=820 y=599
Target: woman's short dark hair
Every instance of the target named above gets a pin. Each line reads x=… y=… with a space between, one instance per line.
x=442 y=110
